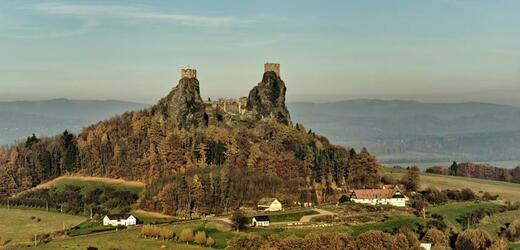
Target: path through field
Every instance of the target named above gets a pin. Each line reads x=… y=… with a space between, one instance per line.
x=321 y=212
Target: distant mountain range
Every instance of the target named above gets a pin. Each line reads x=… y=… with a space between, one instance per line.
x=396 y=131
x=20 y=119
x=402 y=131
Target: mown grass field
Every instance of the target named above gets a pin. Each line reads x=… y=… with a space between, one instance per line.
x=452 y=211
x=130 y=239
x=493 y=223
x=506 y=190
x=18 y=226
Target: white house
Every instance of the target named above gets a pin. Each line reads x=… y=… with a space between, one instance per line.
x=384 y=196
x=119 y=220
x=269 y=205
x=261 y=221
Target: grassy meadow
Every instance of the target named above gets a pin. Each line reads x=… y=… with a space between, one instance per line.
x=506 y=190
x=20 y=225
x=130 y=239
x=493 y=223
x=452 y=211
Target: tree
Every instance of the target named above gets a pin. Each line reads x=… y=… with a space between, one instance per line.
x=376 y=240
x=239 y=220
x=453 y=168
x=475 y=239
x=186 y=235
x=210 y=242
x=436 y=237
x=411 y=179
x=200 y=238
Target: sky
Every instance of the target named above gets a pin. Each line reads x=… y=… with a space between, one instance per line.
x=426 y=50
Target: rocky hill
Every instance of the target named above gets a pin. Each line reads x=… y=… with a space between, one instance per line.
x=199 y=157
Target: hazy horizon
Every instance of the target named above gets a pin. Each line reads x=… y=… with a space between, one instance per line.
x=429 y=51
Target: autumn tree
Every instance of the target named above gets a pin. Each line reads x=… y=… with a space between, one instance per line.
x=412 y=179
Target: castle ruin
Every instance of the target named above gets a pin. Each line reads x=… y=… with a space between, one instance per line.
x=188 y=73
x=227 y=109
x=275 y=67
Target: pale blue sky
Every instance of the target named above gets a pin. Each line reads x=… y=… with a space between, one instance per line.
x=430 y=50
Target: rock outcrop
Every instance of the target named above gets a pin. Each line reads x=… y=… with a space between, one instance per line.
x=267 y=99
x=183 y=107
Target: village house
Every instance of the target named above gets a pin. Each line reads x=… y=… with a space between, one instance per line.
x=269 y=205
x=119 y=220
x=384 y=196
x=261 y=221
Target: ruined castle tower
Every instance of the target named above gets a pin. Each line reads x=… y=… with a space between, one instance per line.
x=275 y=67
x=188 y=73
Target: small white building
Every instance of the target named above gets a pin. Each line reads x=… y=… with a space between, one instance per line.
x=384 y=196
x=260 y=221
x=119 y=220
x=426 y=246
x=270 y=205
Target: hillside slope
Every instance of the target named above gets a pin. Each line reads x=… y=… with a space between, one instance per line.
x=196 y=156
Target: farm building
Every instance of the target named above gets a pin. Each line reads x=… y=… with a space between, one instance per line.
x=383 y=196
x=269 y=205
x=119 y=220
x=261 y=221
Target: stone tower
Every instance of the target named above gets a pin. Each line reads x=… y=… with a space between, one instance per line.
x=188 y=73
x=272 y=67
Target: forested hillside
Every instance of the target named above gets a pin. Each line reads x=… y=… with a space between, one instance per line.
x=192 y=164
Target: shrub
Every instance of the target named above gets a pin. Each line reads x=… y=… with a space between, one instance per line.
x=513 y=230
x=210 y=242
x=186 y=235
x=200 y=238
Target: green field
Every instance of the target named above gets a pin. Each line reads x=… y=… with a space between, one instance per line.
x=18 y=226
x=389 y=225
x=506 y=190
x=290 y=216
x=493 y=223
x=88 y=185
x=130 y=239
x=452 y=211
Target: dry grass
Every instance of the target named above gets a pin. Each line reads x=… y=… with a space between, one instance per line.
x=506 y=190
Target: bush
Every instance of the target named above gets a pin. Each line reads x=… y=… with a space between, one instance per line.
x=200 y=238
x=186 y=235
x=210 y=242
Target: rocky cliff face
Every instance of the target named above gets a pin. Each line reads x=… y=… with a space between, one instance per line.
x=183 y=107
x=267 y=99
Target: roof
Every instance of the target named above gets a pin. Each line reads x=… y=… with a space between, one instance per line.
x=262 y=218
x=266 y=201
x=118 y=216
x=374 y=193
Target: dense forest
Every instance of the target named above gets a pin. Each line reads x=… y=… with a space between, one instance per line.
x=481 y=171
x=192 y=167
